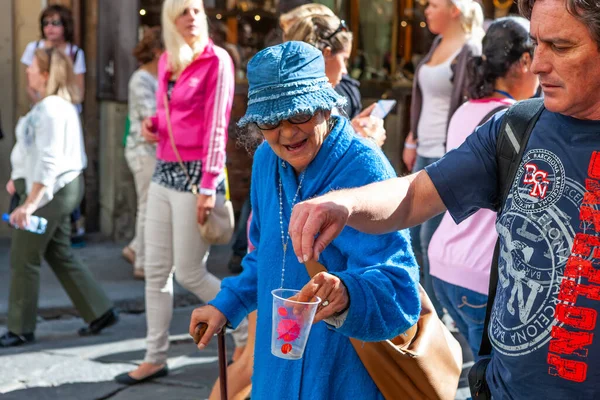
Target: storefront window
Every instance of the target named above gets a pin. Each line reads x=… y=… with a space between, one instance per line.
x=390 y=35
x=376 y=18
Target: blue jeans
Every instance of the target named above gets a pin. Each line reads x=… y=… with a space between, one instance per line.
x=421 y=236
x=467 y=309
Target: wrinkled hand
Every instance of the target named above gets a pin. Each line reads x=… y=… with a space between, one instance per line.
x=326 y=215
x=332 y=292
x=147 y=131
x=370 y=128
x=10 y=187
x=21 y=216
x=210 y=316
x=204 y=206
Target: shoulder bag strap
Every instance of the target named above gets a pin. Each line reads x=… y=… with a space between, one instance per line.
x=170 y=130
x=517 y=125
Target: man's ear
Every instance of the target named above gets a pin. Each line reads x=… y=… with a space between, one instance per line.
x=327 y=51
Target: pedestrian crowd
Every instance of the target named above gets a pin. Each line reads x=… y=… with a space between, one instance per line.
x=492 y=234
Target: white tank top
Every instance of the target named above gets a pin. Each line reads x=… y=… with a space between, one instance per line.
x=436 y=88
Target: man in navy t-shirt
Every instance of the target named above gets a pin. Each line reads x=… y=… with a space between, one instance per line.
x=544 y=327
x=544 y=316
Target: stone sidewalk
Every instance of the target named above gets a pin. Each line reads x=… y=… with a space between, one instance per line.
x=62 y=365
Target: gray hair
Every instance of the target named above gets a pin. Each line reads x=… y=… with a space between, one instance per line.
x=586 y=11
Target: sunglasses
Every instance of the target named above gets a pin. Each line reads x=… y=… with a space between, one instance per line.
x=342 y=28
x=294 y=119
x=54 y=22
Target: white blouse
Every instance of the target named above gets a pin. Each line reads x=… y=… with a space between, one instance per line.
x=49 y=148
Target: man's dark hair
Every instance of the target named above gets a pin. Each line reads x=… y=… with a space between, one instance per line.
x=586 y=11
x=65 y=17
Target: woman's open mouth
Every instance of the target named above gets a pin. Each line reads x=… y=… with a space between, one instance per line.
x=296 y=147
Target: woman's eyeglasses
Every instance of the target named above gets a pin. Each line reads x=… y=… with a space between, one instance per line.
x=294 y=119
x=342 y=28
x=54 y=22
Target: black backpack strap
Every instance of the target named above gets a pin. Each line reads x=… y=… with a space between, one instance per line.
x=491 y=114
x=517 y=124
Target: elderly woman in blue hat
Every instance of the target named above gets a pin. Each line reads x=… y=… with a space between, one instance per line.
x=370 y=291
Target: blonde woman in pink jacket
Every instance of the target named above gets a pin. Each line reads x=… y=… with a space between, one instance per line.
x=197 y=79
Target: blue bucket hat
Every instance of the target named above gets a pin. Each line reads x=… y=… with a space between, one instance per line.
x=286 y=80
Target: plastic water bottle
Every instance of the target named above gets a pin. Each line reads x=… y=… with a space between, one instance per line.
x=36 y=225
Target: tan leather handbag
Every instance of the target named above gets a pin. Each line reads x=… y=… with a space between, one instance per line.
x=218 y=227
x=425 y=362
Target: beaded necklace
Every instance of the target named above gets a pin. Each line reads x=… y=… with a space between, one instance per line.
x=285 y=238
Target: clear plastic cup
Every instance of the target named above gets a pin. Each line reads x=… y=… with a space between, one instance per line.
x=292 y=321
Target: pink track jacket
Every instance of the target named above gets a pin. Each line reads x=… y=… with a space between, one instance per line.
x=200 y=108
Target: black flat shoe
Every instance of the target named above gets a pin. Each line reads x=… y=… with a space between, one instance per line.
x=107 y=319
x=125 y=379
x=10 y=339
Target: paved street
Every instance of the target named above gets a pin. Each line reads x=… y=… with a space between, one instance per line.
x=62 y=365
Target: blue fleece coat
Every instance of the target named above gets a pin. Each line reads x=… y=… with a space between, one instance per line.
x=380 y=273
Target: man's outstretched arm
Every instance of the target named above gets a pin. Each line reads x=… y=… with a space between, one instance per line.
x=377 y=208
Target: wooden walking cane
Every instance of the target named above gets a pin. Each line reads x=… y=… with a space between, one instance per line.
x=200 y=330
